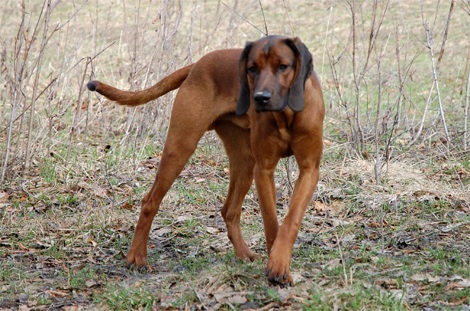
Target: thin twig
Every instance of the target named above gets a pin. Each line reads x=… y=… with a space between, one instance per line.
x=446 y=32
x=343 y=263
x=264 y=18
x=36 y=80
x=436 y=82
x=378 y=160
x=15 y=103
x=244 y=19
x=465 y=116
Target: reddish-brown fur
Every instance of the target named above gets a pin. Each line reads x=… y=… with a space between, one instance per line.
x=218 y=92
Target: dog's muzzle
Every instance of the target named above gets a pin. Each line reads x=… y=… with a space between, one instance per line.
x=264 y=102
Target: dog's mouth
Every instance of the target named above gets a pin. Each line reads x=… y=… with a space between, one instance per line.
x=264 y=109
x=270 y=105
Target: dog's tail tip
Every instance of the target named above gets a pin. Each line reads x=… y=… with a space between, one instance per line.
x=92 y=85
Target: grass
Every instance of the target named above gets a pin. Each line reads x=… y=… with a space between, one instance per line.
x=66 y=223
x=349 y=265
x=130 y=298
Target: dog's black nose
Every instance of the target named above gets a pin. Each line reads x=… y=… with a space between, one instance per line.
x=262 y=96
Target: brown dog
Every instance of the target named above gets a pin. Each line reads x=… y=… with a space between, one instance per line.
x=265 y=103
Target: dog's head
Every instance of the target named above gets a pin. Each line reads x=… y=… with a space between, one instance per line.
x=273 y=71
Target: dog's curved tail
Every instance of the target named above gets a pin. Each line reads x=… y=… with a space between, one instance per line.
x=129 y=98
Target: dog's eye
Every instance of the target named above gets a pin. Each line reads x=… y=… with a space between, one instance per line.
x=252 y=69
x=283 y=67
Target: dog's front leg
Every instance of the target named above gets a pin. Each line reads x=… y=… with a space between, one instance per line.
x=264 y=182
x=281 y=253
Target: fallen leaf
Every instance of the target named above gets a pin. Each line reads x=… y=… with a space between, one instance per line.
x=333 y=264
x=433 y=279
x=387 y=283
x=182 y=218
x=58 y=293
x=151 y=163
x=3 y=196
x=457 y=285
x=419 y=277
x=319 y=206
x=91 y=283
x=234 y=298
x=100 y=192
x=90 y=239
x=127 y=205
x=212 y=230
x=397 y=294
x=163 y=231
x=22 y=247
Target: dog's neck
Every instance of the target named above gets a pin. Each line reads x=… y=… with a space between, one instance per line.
x=284 y=121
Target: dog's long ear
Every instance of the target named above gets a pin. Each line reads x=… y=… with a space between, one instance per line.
x=244 y=97
x=303 y=70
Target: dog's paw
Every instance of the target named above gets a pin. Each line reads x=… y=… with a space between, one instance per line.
x=278 y=272
x=284 y=280
x=247 y=254
x=135 y=259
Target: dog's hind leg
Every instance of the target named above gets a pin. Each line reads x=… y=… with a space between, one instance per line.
x=186 y=129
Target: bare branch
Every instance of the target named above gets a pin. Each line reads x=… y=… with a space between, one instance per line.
x=446 y=32
x=466 y=111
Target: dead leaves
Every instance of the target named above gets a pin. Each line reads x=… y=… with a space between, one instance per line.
x=457 y=283
x=222 y=290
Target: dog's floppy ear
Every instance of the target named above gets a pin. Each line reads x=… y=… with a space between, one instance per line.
x=303 y=70
x=244 y=97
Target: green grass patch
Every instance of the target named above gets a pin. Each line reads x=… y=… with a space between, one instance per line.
x=118 y=297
